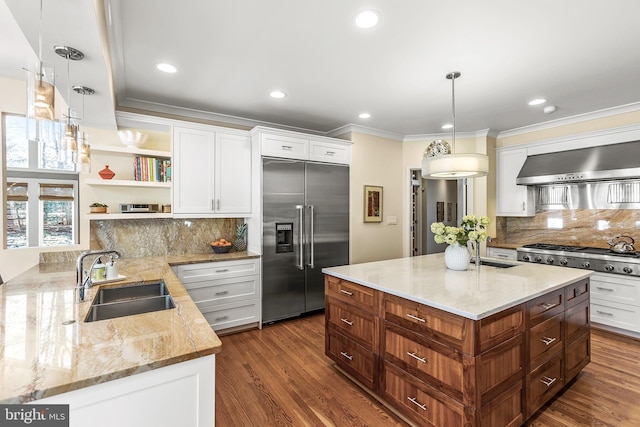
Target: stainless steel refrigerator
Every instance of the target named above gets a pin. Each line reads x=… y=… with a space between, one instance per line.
x=305 y=219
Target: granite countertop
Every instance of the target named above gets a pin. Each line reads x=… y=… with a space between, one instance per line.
x=473 y=294
x=41 y=355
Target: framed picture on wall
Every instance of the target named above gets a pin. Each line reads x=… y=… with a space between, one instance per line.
x=372 y=203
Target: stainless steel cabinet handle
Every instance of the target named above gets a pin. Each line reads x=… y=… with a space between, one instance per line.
x=548 y=381
x=222 y=270
x=218 y=204
x=547 y=305
x=501 y=256
x=346 y=292
x=300 y=265
x=604 y=289
x=345 y=354
x=548 y=340
x=329 y=153
x=415 y=356
x=311 y=262
x=221 y=293
x=523 y=206
x=287 y=147
x=347 y=322
x=213 y=207
x=221 y=318
x=604 y=313
x=415 y=402
x=419 y=319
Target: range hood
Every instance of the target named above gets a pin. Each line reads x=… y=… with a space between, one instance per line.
x=601 y=163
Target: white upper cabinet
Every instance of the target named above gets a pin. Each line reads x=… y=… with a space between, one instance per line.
x=299 y=146
x=512 y=199
x=211 y=173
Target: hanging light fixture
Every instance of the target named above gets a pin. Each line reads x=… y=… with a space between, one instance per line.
x=68 y=142
x=41 y=97
x=442 y=162
x=84 y=148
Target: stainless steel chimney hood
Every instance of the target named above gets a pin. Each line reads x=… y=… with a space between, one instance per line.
x=601 y=163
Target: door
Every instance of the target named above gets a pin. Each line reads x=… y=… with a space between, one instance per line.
x=327 y=212
x=283 y=278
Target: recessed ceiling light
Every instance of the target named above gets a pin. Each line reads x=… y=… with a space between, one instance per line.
x=537 y=101
x=364 y=115
x=367 y=19
x=447 y=126
x=167 y=68
x=278 y=94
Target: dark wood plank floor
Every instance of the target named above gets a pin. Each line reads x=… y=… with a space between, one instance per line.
x=279 y=376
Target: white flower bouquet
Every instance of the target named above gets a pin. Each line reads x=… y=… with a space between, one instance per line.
x=472 y=229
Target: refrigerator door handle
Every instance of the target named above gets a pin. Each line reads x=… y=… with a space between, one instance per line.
x=300 y=264
x=312 y=234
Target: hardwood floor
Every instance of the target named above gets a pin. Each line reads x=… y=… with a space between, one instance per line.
x=279 y=376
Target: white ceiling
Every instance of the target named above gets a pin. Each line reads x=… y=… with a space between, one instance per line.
x=580 y=55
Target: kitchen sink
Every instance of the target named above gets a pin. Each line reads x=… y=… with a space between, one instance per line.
x=111 y=303
x=496 y=264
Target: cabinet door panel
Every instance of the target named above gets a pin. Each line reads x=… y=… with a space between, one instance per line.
x=356 y=324
x=193 y=152
x=512 y=199
x=544 y=340
x=232 y=174
x=351 y=357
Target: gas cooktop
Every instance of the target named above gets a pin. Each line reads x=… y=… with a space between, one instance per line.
x=588 y=258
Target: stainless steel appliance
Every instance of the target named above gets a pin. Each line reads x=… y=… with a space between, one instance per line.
x=139 y=207
x=588 y=258
x=305 y=219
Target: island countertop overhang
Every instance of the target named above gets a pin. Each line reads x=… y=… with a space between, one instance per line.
x=474 y=294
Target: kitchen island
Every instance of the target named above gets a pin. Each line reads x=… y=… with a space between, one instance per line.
x=483 y=347
x=158 y=368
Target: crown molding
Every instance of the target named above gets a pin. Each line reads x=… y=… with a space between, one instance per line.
x=364 y=130
x=462 y=135
x=593 y=115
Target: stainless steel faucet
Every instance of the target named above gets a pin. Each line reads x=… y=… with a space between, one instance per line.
x=82 y=285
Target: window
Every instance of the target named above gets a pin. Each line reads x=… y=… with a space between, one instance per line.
x=41 y=190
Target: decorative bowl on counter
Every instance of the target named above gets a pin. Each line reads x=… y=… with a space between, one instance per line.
x=132 y=138
x=221 y=249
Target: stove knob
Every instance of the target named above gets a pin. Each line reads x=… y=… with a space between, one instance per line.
x=608 y=267
x=538 y=259
x=627 y=270
x=586 y=264
x=526 y=258
x=549 y=260
x=564 y=262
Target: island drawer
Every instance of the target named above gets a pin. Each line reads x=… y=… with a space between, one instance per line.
x=350 y=292
x=577 y=356
x=543 y=383
x=545 y=339
x=576 y=292
x=356 y=324
x=441 y=326
x=420 y=402
x=546 y=306
x=352 y=357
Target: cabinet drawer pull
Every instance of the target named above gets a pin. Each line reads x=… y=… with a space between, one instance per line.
x=222 y=270
x=347 y=322
x=604 y=313
x=548 y=340
x=548 y=381
x=501 y=256
x=346 y=292
x=415 y=356
x=415 y=402
x=345 y=354
x=221 y=293
x=287 y=147
x=419 y=319
x=221 y=318
x=547 y=305
x=329 y=153
x=604 y=289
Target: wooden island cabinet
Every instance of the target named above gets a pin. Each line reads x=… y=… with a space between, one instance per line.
x=438 y=368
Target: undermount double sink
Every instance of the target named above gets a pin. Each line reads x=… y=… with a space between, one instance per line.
x=137 y=298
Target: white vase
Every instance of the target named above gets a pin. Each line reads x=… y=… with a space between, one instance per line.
x=457 y=257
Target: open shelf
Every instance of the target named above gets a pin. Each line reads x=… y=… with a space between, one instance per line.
x=143 y=215
x=126 y=183
x=112 y=149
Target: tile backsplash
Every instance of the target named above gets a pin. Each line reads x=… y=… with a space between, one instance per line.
x=587 y=227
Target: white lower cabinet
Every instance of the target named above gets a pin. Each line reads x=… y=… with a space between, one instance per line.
x=502 y=253
x=226 y=292
x=615 y=301
x=176 y=395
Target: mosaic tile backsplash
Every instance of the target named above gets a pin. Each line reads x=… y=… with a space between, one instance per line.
x=587 y=227
x=161 y=237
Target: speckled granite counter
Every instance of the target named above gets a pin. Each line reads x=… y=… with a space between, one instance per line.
x=42 y=356
x=472 y=294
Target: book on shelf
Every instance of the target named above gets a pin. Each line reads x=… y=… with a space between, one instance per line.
x=151 y=169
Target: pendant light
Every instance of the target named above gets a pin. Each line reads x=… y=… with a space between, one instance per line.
x=41 y=97
x=439 y=164
x=68 y=142
x=84 y=148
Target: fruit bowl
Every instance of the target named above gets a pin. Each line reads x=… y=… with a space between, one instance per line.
x=221 y=249
x=132 y=138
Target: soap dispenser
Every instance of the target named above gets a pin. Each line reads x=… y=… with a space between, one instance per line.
x=112 y=270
